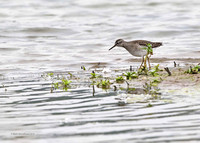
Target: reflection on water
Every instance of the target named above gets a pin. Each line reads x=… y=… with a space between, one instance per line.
x=60 y=36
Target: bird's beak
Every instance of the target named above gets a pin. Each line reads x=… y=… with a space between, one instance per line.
x=112 y=47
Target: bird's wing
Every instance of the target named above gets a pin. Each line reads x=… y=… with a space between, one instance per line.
x=144 y=43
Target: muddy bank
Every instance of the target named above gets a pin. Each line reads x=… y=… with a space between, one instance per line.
x=164 y=60
x=130 y=80
x=178 y=82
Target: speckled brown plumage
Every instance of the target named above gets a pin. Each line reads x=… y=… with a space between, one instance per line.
x=137 y=48
x=145 y=42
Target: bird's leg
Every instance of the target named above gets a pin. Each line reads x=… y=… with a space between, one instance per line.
x=148 y=58
x=149 y=61
x=142 y=62
x=145 y=62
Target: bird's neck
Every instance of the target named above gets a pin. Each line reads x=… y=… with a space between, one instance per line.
x=126 y=45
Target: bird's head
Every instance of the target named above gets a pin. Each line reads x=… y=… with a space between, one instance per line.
x=118 y=43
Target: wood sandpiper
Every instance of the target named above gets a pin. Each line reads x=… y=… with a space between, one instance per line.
x=137 y=47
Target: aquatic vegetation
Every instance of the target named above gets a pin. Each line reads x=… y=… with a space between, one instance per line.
x=64 y=84
x=83 y=68
x=105 y=84
x=151 y=87
x=149 y=50
x=152 y=77
x=56 y=85
x=47 y=75
x=157 y=80
x=119 y=79
x=70 y=74
x=154 y=71
x=193 y=70
x=93 y=75
x=131 y=89
x=156 y=68
x=130 y=75
x=50 y=74
x=142 y=71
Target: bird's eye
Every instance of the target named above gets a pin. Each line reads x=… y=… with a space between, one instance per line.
x=118 y=42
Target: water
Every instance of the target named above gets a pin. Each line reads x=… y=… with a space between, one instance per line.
x=59 y=36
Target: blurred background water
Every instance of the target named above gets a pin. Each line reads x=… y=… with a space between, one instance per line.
x=60 y=35
x=51 y=34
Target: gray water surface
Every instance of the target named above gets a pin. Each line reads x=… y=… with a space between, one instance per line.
x=41 y=36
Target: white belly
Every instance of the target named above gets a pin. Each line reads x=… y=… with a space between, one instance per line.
x=137 y=51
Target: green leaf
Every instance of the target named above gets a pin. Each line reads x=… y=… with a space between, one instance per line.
x=93 y=75
x=149 y=45
x=130 y=75
x=83 y=67
x=119 y=79
x=66 y=82
x=56 y=85
x=70 y=74
x=50 y=74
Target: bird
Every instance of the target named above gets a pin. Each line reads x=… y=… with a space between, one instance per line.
x=137 y=47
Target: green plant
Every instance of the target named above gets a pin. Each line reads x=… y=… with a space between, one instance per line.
x=149 y=49
x=154 y=71
x=119 y=79
x=142 y=71
x=83 y=68
x=93 y=75
x=70 y=74
x=156 y=68
x=50 y=74
x=65 y=84
x=156 y=81
x=193 y=70
x=151 y=87
x=56 y=85
x=130 y=75
x=105 y=84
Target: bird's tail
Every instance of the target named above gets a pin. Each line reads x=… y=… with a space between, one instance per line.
x=157 y=44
